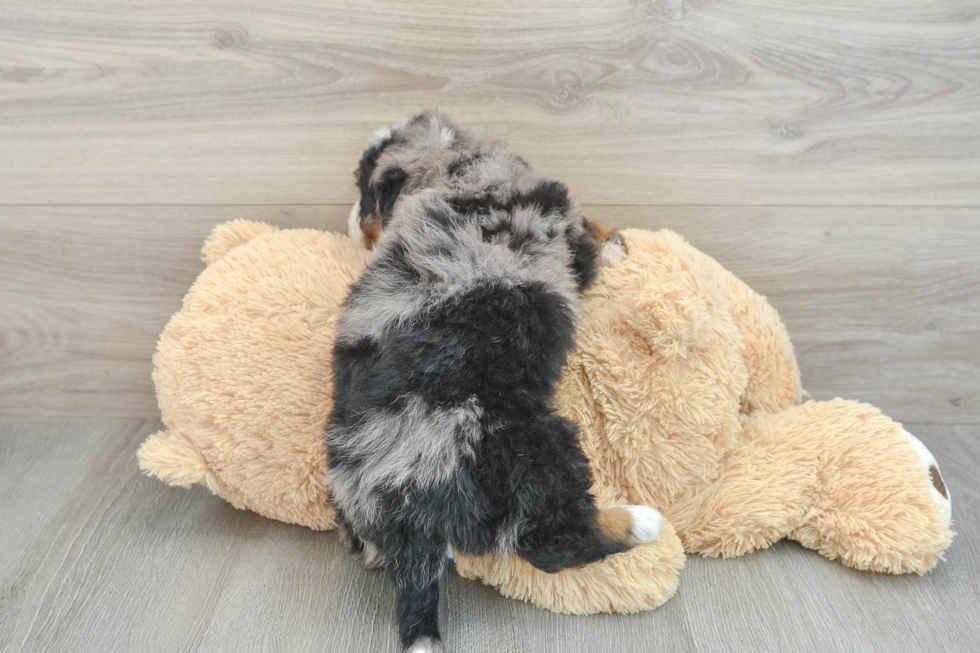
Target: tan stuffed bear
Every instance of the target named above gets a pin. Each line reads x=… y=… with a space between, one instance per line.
x=683 y=381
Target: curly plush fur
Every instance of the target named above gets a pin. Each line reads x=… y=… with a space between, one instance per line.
x=682 y=381
x=444 y=431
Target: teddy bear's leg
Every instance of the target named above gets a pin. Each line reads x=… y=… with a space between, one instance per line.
x=881 y=504
x=838 y=477
x=938 y=489
x=760 y=494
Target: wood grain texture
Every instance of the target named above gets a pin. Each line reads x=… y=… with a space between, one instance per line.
x=96 y=557
x=86 y=291
x=883 y=304
x=630 y=102
x=775 y=135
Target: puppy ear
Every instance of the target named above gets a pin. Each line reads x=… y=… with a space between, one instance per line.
x=586 y=245
x=386 y=192
x=377 y=202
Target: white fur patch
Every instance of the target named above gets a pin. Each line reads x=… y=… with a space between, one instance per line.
x=507 y=537
x=371 y=558
x=385 y=133
x=354 y=222
x=613 y=251
x=927 y=460
x=425 y=645
x=646 y=524
x=418 y=445
x=380 y=135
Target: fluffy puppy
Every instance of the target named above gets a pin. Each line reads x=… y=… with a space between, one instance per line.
x=444 y=435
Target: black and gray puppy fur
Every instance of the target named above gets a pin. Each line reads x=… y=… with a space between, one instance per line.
x=444 y=433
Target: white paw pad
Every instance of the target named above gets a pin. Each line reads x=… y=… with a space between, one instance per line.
x=646 y=524
x=940 y=493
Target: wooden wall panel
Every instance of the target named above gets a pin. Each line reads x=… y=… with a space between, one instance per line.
x=659 y=102
x=883 y=305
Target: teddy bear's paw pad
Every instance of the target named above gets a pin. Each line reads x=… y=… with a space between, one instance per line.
x=425 y=645
x=646 y=524
x=940 y=493
x=613 y=251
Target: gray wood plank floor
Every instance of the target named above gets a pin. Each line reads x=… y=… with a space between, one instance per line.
x=97 y=557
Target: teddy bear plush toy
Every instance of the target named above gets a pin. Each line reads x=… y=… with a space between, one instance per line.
x=683 y=382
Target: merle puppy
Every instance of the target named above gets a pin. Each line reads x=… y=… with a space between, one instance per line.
x=444 y=435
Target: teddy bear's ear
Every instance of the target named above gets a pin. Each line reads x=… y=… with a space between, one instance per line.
x=226 y=237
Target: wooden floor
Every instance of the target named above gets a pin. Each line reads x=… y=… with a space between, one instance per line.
x=98 y=557
x=828 y=153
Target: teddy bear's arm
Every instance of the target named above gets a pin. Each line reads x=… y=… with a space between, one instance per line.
x=774 y=377
x=229 y=235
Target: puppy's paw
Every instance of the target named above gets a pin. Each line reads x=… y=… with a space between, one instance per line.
x=371 y=557
x=633 y=524
x=646 y=524
x=425 y=645
x=613 y=251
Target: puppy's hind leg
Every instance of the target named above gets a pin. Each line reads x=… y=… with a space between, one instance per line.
x=366 y=552
x=569 y=536
x=633 y=524
x=562 y=527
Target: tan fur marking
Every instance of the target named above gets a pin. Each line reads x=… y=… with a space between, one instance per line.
x=603 y=231
x=370 y=231
x=615 y=523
